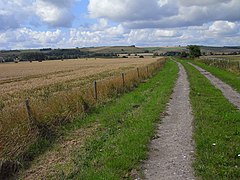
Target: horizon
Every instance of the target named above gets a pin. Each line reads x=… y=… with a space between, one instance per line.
x=118 y=46
x=36 y=24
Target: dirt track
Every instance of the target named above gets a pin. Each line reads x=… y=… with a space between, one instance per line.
x=171 y=153
x=232 y=95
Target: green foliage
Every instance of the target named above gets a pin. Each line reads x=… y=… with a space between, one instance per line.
x=184 y=54
x=217 y=130
x=194 y=51
x=32 y=56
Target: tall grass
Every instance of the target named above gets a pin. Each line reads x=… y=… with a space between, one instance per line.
x=17 y=134
x=232 y=66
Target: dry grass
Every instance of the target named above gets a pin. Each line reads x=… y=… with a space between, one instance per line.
x=61 y=105
x=61 y=157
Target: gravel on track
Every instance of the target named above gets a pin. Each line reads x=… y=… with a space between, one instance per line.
x=232 y=95
x=172 y=151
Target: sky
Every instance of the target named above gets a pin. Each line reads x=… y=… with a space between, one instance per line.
x=28 y=24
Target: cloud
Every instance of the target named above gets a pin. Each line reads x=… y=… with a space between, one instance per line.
x=138 y=14
x=215 y=33
x=55 y=13
x=14 y=13
x=22 y=13
x=51 y=23
x=27 y=38
x=99 y=34
x=224 y=28
x=202 y=2
x=131 y=10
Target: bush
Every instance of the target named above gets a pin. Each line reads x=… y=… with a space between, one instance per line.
x=194 y=51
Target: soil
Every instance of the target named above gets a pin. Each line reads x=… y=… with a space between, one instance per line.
x=232 y=95
x=172 y=151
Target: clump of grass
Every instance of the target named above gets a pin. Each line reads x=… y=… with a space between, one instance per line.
x=17 y=136
x=217 y=127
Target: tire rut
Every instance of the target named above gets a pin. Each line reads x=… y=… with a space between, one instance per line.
x=171 y=153
x=229 y=93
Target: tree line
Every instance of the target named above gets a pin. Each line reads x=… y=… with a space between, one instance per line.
x=56 y=54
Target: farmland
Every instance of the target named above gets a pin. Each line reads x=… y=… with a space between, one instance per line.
x=67 y=115
x=24 y=79
x=58 y=91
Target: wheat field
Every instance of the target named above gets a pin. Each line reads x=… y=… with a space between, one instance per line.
x=59 y=91
x=26 y=76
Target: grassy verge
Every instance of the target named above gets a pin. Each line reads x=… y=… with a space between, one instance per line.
x=125 y=127
x=217 y=130
x=233 y=79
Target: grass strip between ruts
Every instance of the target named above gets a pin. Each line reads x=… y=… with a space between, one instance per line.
x=217 y=130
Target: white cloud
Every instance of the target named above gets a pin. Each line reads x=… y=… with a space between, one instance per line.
x=14 y=13
x=224 y=28
x=42 y=23
x=140 y=14
x=202 y=2
x=55 y=13
x=151 y=36
x=216 y=33
x=101 y=25
x=131 y=10
x=103 y=35
x=27 y=38
x=22 y=13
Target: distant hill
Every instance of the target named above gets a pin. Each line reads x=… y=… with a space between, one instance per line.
x=204 y=49
x=115 y=49
x=112 y=51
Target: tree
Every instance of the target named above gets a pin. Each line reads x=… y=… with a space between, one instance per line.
x=194 y=51
x=184 y=54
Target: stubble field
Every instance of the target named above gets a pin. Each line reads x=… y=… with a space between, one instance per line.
x=20 y=77
x=58 y=91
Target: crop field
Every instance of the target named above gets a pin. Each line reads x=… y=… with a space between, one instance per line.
x=57 y=92
x=19 y=81
x=13 y=77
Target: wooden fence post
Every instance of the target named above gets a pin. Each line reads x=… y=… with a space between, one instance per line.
x=31 y=119
x=95 y=90
x=123 y=79
x=138 y=73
